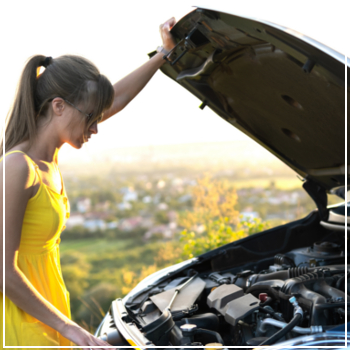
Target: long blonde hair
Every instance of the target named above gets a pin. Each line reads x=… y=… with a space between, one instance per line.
x=73 y=78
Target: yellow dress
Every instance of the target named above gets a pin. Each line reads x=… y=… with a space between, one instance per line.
x=38 y=258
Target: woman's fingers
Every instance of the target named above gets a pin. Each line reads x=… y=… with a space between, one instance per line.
x=168 y=24
x=80 y=336
x=93 y=341
x=98 y=342
x=167 y=38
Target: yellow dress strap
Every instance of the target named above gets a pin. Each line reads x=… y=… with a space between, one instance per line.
x=36 y=167
x=16 y=151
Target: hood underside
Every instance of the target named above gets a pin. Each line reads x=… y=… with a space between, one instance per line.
x=279 y=89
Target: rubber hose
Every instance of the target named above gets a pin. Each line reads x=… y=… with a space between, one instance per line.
x=278 y=335
x=340 y=280
x=206 y=331
x=207 y=320
x=280 y=275
x=260 y=288
x=273 y=314
x=330 y=306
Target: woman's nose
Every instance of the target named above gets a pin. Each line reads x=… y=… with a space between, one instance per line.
x=93 y=128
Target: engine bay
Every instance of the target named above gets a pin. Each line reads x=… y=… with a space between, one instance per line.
x=300 y=292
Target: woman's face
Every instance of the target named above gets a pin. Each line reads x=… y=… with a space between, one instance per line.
x=76 y=132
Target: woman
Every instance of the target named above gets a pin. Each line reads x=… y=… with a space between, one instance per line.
x=61 y=105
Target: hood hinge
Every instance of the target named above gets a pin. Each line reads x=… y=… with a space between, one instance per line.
x=319 y=196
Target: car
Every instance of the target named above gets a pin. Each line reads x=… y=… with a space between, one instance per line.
x=285 y=286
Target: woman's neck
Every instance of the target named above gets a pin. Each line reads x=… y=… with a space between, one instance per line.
x=47 y=143
x=41 y=149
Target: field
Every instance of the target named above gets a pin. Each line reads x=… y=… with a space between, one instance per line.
x=98 y=270
x=95 y=246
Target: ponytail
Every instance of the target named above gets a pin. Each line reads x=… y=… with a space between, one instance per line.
x=17 y=127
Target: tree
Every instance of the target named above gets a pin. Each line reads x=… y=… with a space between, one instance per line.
x=214 y=221
x=212 y=200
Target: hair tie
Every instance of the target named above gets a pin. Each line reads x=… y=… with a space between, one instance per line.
x=47 y=61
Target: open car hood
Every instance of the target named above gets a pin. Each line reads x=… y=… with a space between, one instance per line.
x=285 y=91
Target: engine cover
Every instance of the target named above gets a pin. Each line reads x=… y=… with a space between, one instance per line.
x=241 y=308
x=232 y=303
x=221 y=296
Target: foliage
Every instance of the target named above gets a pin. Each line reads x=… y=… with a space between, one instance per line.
x=76 y=270
x=254 y=226
x=212 y=200
x=218 y=232
x=168 y=254
x=214 y=221
x=78 y=232
x=131 y=279
x=94 y=302
x=161 y=217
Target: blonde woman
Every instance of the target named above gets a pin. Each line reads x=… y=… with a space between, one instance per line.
x=61 y=105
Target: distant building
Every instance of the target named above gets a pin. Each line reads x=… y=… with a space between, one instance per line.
x=130 y=197
x=112 y=224
x=130 y=223
x=167 y=231
x=147 y=222
x=162 y=206
x=156 y=198
x=129 y=194
x=75 y=219
x=103 y=206
x=147 y=199
x=92 y=221
x=95 y=224
x=124 y=206
x=249 y=215
x=84 y=205
x=185 y=198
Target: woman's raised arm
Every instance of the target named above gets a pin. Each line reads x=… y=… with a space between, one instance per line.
x=127 y=88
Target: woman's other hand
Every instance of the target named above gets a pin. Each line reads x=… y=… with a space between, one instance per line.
x=80 y=336
x=167 y=38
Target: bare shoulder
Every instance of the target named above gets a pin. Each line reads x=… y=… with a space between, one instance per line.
x=19 y=170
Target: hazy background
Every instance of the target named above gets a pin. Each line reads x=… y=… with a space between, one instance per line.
x=117 y=36
x=133 y=184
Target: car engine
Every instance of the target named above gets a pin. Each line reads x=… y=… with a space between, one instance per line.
x=300 y=292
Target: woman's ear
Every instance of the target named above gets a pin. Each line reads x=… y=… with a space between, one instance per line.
x=58 y=106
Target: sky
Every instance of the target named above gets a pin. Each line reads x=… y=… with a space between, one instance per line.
x=117 y=36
